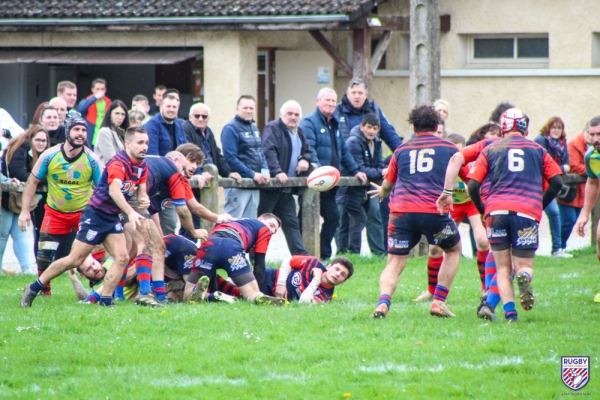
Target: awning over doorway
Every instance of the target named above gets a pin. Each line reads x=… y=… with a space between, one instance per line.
x=91 y=56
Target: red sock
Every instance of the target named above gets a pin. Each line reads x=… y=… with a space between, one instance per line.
x=481 y=257
x=224 y=286
x=433 y=267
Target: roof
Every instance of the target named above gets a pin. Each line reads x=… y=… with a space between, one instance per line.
x=73 y=9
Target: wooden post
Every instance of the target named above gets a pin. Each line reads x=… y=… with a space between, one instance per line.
x=362 y=54
x=210 y=194
x=311 y=221
x=424 y=85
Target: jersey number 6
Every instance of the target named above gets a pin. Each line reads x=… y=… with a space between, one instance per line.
x=516 y=163
x=421 y=162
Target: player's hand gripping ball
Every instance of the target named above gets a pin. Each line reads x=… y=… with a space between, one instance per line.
x=323 y=178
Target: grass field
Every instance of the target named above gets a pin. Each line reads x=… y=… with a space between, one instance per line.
x=60 y=349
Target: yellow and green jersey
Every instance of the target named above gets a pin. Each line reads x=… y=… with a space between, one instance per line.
x=592 y=163
x=70 y=181
x=460 y=194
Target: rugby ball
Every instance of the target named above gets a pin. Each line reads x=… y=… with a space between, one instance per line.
x=323 y=178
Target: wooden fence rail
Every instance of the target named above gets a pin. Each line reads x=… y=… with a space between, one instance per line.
x=310 y=203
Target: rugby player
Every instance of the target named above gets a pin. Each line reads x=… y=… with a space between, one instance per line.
x=592 y=187
x=226 y=249
x=414 y=178
x=510 y=175
x=124 y=176
x=71 y=170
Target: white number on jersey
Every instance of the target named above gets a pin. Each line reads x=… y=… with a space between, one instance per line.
x=421 y=162
x=515 y=161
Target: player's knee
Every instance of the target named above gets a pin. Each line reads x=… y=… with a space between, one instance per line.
x=121 y=258
x=435 y=251
x=45 y=254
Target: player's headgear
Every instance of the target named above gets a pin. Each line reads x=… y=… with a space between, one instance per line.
x=514 y=119
x=74 y=121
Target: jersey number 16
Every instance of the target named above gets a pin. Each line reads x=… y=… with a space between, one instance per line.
x=419 y=161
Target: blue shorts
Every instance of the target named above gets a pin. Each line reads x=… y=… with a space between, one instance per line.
x=221 y=253
x=405 y=230
x=96 y=225
x=512 y=230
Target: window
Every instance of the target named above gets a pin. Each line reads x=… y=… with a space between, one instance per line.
x=514 y=51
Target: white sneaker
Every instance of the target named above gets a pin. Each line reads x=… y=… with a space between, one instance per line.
x=561 y=253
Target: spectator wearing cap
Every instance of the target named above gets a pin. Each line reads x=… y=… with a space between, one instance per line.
x=72 y=170
x=93 y=109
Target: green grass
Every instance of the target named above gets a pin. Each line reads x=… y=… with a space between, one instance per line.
x=59 y=349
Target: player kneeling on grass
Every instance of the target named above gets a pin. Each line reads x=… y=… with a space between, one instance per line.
x=226 y=249
x=306 y=279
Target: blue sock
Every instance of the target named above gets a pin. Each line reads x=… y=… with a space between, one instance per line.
x=211 y=297
x=94 y=297
x=493 y=299
x=106 y=301
x=510 y=312
x=119 y=293
x=36 y=286
x=385 y=299
x=159 y=290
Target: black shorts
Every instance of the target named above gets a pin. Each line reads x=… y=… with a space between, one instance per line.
x=512 y=230
x=405 y=230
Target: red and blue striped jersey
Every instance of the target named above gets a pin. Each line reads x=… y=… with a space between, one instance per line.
x=301 y=276
x=165 y=181
x=253 y=233
x=129 y=172
x=418 y=170
x=179 y=256
x=512 y=172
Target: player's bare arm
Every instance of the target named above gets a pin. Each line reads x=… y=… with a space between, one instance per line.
x=592 y=189
x=284 y=272
x=114 y=191
x=28 y=193
x=204 y=213
x=188 y=223
x=444 y=202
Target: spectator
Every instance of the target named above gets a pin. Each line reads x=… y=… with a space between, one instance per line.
x=140 y=103
x=443 y=109
x=365 y=148
x=61 y=106
x=288 y=154
x=354 y=105
x=165 y=133
x=570 y=209
x=35 y=120
x=136 y=118
x=67 y=91
x=157 y=96
x=242 y=150
x=17 y=163
x=553 y=138
x=50 y=121
x=329 y=148
x=111 y=136
x=487 y=131
x=499 y=110
x=93 y=108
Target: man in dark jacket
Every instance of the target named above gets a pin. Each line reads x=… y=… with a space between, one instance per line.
x=354 y=105
x=242 y=149
x=165 y=133
x=288 y=154
x=329 y=148
x=358 y=208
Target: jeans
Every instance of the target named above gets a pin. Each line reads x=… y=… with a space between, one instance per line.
x=568 y=217
x=554 y=221
x=375 y=228
x=9 y=226
x=352 y=223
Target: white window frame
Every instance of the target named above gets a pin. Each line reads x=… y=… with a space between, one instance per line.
x=513 y=62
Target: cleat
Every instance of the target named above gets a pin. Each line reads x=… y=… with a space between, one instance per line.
x=597 y=298
x=147 y=300
x=381 y=311
x=224 y=298
x=526 y=291
x=486 y=311
x=424 y=296
x=264 y=300
x=84 y=301
x=28 y=296
x=199 y=293
x=167 y=300
x=45 y=292
x=440 y=309
x=512 y=321
x=561 y=254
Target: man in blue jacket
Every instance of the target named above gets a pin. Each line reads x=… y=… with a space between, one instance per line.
x=242 y=150
x=165 y=133
x=329 y=148
x=365 y=147
x=354 y=105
